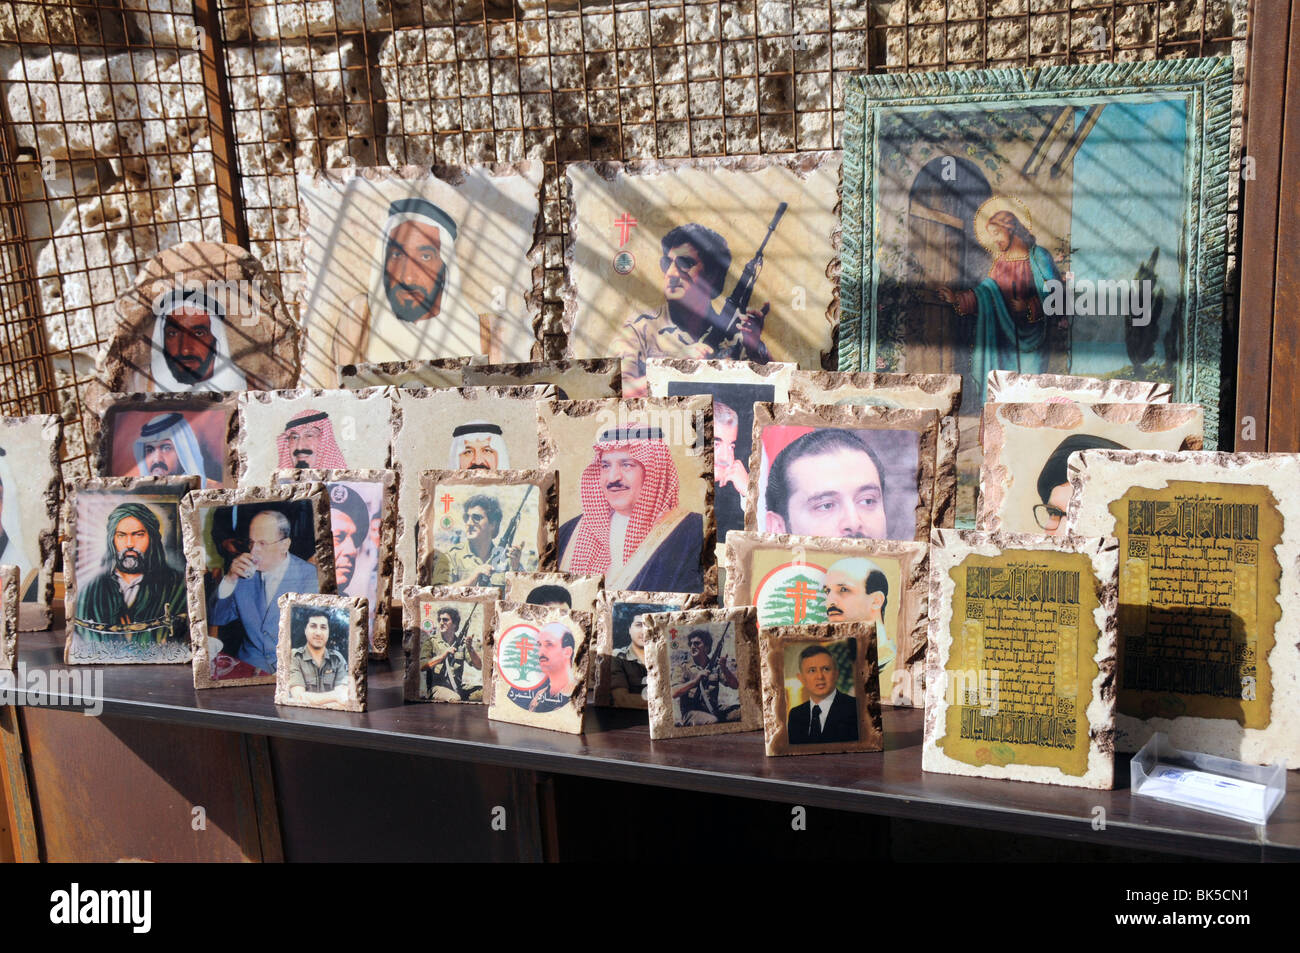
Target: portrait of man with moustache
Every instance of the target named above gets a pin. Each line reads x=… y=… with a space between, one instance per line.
x=307 y=443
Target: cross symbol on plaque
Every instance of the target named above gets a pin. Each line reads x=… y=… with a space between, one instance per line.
x=446 y=500
x=802 y=595
x=624 y=224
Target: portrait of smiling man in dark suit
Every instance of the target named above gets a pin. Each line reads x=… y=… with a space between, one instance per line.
x=829 y=716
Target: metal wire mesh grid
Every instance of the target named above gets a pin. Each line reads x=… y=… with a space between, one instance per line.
x=321 y=85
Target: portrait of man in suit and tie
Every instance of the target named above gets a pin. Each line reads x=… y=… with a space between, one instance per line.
x=829 y=715
x=261 y=569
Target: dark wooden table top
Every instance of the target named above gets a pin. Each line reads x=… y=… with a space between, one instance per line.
x=617 y=746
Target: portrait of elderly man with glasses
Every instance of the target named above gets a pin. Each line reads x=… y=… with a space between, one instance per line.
x=694 y=263
x=250 y=591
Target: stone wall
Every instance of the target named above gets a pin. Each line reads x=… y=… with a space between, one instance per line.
x=112 y=135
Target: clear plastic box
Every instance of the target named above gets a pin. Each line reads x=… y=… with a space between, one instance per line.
x=1205 y=782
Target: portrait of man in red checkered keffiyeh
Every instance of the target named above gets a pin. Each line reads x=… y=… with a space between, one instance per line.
x=632 y=527
x=307 y=443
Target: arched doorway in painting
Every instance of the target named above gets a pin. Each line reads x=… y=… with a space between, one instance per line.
x=941 y=244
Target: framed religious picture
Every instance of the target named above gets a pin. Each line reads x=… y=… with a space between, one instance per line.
x=413 y=375
x=806 y=580
x=940 y=392
x=1021 y=666
x=476 y=526
x=821 y=691
x=735 y=387
x=312 y=430
x=124 y=571
x=619 y=669
x=637 y=487
x=412 y=263
x=30 y=483
x=163 y=435
x=591 y=379
x=1208 y=570
x=363 y=517
x=984 y=228
x=1024 y=487
x=570 y=590
x=850 y=472
x=465 y=428
x=322 y=652
x=541 y=662
x=711 y=259
x=443 y=636
x=243 y=550
x=201 y=316
x=702 y=672
x=1011 y=387
x=8 y=617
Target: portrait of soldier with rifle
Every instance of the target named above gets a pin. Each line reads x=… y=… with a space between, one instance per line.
x=484 y=553
x=695 y=261
x=450 y=659
x=697 y=682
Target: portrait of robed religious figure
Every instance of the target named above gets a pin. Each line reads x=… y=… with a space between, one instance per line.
x=1067 y=221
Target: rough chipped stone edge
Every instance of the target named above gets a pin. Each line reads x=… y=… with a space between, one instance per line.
x=1133 y=732
x=358 y=622
x=1012 y=387
x=453 y=176
x=606 y=370
x=659 y=676
x=401 y=396
x=387 y=479
x=71 y=587
x=539 y=615
x=102 y=443
x=936 y=451
x=808 y=386
x=558 y=578
x=547 y=452
x=546 y=481
x=51 y=433
x=598 y=692
x=1213 y=135
x=411 y=597
x=661 y=371
x=771 y=643
x=196 y=561
x=111 y=366
x=914 y=573
x=9 y=618
x=996 y=478
x=948 y=549
x=802 y=164
x=395 y=370
x=268 y=397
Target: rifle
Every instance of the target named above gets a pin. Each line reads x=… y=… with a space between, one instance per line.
x=499 y=558
x=448 y=669
x=711 y=670
x=737 y=302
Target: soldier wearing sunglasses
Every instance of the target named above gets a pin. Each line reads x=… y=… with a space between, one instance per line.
x=694 y=263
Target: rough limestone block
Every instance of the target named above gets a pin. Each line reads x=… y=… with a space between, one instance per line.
x=1022 y=651
x=941 y=392
x=726 y=697
x=477 y=608
x=30 y=480
x=541 y=663
x=351 y=616
x=618 y=672
x=852 y=723
x=1026 y=446
x=1209 y=570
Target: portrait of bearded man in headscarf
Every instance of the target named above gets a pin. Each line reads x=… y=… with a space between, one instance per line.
x=631 y=527
x=307 y=443
x=191 y=345
x=167 y=446
x=137 y=596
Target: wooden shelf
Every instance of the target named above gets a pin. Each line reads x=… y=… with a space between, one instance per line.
x=617 y=746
